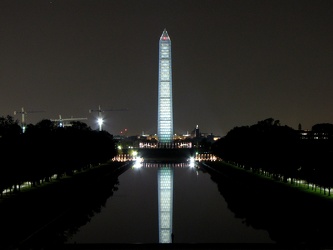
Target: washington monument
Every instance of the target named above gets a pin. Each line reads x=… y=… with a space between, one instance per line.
x=165 y=110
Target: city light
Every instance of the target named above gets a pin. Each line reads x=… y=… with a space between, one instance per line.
x=138 y=162
x=100 y=123
x=192 y=162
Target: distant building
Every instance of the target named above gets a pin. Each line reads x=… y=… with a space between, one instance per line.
x=197 y=132
x=320 y=131
x=212 y=138
x=314 y=135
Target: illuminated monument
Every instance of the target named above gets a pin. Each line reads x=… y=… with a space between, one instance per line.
x=165 y=136
x=165 y=112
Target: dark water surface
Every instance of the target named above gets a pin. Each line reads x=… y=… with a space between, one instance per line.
x=200 y=213
x=147 y=205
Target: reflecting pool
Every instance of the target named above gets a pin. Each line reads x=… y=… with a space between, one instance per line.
x=164 y=203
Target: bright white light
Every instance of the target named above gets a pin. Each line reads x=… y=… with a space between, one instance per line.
x=192 y=162
x=100 y=123
x=138 y=162
x=135 y=153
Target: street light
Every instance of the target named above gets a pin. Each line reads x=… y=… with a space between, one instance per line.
x=100 y=120
x=100 y=123
x=23 y=113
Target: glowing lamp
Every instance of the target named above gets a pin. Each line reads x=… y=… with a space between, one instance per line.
x=100 y=123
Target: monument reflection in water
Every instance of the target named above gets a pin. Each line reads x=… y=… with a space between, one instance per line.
x=165 y=202
x=165 y=176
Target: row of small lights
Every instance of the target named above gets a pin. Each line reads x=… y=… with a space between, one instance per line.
x=139 y=162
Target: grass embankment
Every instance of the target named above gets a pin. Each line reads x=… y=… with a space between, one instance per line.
x=242 y=175
x=86 y=175
x=27 y=212
x=291 y=215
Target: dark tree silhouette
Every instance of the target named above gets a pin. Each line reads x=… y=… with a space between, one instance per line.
x=279 y=150
x=46 y=149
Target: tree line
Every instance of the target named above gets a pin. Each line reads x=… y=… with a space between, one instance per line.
x=281 y=152
x=45 y=150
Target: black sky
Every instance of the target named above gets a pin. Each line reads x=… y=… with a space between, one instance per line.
x=234 y=62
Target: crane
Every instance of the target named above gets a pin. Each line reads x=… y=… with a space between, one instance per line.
x=62 y=121
x=100 y=111
x=23 y=113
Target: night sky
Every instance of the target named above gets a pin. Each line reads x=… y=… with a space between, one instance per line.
x=234 y=62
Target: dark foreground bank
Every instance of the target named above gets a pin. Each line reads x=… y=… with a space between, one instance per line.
x=27 y=218
x=290 y=216
x=212 y=246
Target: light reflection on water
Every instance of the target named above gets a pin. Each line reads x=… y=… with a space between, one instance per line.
x=156 y=200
